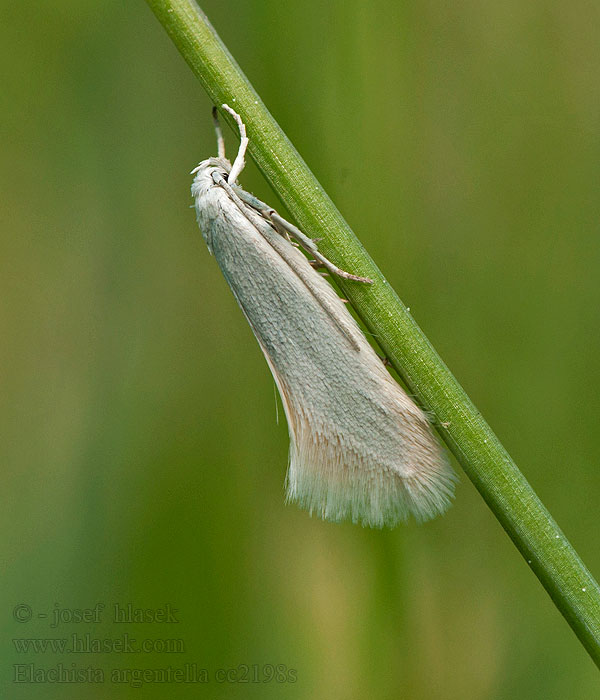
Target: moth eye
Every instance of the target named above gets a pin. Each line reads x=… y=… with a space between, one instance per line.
x=217 y=175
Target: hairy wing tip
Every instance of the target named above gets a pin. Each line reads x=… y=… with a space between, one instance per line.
x=371 y=498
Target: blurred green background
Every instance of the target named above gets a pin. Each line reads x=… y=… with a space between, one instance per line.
x=142 y=462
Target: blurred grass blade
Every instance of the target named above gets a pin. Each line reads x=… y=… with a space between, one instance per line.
x=485 y=461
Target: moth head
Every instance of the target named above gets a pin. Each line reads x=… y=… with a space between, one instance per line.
x=209 y=168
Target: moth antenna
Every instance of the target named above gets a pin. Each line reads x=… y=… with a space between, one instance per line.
x=239 y=162
x=220 y=139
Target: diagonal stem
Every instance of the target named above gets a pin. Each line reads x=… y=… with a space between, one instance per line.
x=506 y=491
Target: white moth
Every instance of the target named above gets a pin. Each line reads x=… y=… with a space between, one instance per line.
x=359 y=447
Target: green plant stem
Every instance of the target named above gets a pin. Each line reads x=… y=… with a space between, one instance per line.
x=483 y=458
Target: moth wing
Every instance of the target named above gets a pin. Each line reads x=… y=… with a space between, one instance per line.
x=359 y=446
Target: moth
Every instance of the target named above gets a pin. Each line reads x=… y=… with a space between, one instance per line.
x=360 y=448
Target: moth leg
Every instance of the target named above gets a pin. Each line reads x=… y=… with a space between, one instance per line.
x=286 y=229
x=308 y=244
x=385 y=360
x=239 y=162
